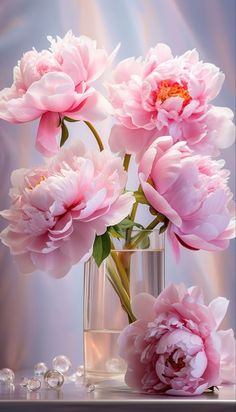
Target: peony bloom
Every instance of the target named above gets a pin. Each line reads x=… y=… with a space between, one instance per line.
x=191 y=191
x=163 y=95
x=59 y=208
x=174 y=347
x=55 y=83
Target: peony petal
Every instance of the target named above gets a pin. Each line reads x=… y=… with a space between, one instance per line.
x=159 y=203
x=54 y=263
x=131 y=141
x=47 y=132
x=24 y=263
x=95 y=107
x=219 y=308
x=119 y=209
x=143 y=306
x=198 y=364
x=227 y=356
x=53 y=92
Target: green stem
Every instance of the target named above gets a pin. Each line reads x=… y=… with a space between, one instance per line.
x=121 y=270
x=132 y=216
x=142 y=235
x=96 y=135
x=124 y=298
x=126 y=161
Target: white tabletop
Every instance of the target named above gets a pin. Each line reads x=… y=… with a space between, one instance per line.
x=109 y=396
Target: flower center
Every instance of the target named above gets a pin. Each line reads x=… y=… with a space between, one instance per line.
x=40 y=180
x=167 y=88
x=175 y=365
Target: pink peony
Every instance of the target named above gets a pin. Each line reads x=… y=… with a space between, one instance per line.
x=191 y=191
x=174 y=346
x=162 y=95
x=57 y=209
x=57 y=83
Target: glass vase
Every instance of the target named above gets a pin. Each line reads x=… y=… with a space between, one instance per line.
x=131 y=268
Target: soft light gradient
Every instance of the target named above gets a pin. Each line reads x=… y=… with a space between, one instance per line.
x=41 y=317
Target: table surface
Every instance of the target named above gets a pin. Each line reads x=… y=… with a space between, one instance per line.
x=109 y=396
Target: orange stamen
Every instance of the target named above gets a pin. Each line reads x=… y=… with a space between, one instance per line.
x=167 y=88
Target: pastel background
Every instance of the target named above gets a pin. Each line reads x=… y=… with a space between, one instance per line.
x=41 y=317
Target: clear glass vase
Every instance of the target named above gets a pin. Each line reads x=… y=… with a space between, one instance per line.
x=108 y=292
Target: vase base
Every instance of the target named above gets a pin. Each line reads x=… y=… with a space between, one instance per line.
x=111 y=384
x=104 y=379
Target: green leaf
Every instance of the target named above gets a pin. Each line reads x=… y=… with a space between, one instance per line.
x=64 y=134
x=101 y=248
x=68 y=119
x=128 y=223
x=119 y=231
x=145 y=243
x=143 y=240
x=116 y=232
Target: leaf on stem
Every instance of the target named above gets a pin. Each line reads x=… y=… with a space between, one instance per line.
x=119 y=230
x=101 y=248
x=128 y=223
x=116 y=232
x=141 y=240
x=145 y=242
x=64 y=134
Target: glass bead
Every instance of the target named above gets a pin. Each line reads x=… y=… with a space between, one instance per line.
x=80 y=370
x=53 y=379
x=90 y=388
x=73 y=378
x=40 y=369
x=61 y=363
x=6 y=376
x=33 y=384
x=23 y=382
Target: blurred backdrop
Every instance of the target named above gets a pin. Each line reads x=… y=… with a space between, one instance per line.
x=41 y=317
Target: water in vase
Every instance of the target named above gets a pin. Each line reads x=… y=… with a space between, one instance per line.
x=104 y=317
x=101 y=355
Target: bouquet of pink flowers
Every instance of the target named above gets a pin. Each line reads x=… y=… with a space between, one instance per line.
x=72 y=206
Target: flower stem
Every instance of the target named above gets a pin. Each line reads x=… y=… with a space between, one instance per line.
x=120 y=290
x=142 y=235
x=96 y=135
x=126 y=161
x=121 y=271
x=132 y=217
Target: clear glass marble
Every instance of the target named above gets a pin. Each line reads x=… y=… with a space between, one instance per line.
x=61 y=363
x=23 y=382
x=53 y=379
x=40 y=369
x=7 y=376
x=80 y=370
x=33 y=384
x=90 y=388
